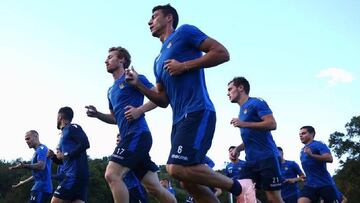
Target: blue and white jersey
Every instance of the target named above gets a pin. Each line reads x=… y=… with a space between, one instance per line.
x=290 y=169
x=235 y=170
x=122 y=94
x=186 y=92
x=42 y=177
x=316 y=171
x=259 y=144
x=74 y=142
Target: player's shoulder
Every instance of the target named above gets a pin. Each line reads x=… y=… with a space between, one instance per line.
x=42 y=147
x=318 y=143
x=186 y=28
x=74 y=126
x=257 y=99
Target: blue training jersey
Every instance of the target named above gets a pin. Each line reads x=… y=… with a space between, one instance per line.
x=122 y=94
x=42 y=177
x=74 y=142
x=186 y=92
x=235 y=170
x=290 y=169
x=316 y=171
x=259 y=144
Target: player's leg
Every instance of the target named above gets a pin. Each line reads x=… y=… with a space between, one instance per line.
x=308 y=195
x=200 y=193
x=328 y=193
x=191 y=138
x=69 y=190
x=152 y=185
x=114 y=177
x=270 y=175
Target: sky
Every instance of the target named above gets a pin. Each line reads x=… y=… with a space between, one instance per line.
x=302 y=57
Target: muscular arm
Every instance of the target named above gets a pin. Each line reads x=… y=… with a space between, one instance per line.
x=148 y=106
x=157 y=96
x=107 y=118
x=294 y=180
x=21 y=182
x=240 y=148
x=327 y=157
x=40 y=165
x=268 y=123
x=215 y=54
x=133 y=113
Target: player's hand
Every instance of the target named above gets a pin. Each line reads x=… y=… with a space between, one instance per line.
x=17 y=166
x=290 y=180
x=132 y=113
x=17 y=185
x=91 y=111
x=307 y=151
x=131 y=76
x=174 y=67
x=50 y=153
x=60 y=155
x=236 y=122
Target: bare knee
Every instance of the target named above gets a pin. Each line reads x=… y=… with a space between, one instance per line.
x=153 y=190
x=176 y=171
x=109 y=176
x=113 y=174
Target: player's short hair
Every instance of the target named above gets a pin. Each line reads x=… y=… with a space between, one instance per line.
x=168 y=10
x=280 y=149
x=237 y=81
x=33 y=133
x=310 y=129
x=231 y=147
x=122 y=53
x=67 y=113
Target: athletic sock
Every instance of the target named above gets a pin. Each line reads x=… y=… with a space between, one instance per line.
x=236 y=188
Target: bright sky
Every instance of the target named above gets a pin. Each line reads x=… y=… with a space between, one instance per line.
x=302 y=57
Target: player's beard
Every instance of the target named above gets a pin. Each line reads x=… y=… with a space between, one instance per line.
x=58 y=125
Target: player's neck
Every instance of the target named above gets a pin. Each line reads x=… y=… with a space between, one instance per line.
x=167 y=32
x=243 y=99
x=308 y=142
x=36 y=145
x=63 y=124
x=118 y=73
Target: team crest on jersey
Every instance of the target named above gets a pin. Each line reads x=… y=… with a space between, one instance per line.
x=245 y=111
x=122 y=85
x=169 y=45
x=286 y=168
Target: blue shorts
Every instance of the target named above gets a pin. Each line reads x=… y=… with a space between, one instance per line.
x=133 y=153
x=72 y=189
x=265 y=173
x=327 y=193
x=39 y=197
x=191 y=138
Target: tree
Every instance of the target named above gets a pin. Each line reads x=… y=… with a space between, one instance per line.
x=347 y=145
